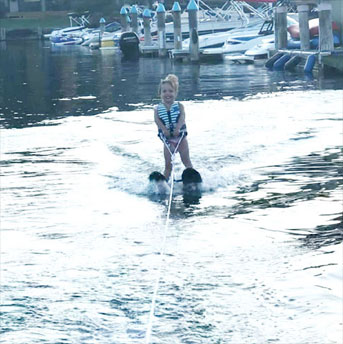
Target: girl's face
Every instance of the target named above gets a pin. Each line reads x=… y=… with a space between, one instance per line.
x=168 y=93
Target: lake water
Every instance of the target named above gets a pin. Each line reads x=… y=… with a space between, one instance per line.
x=257 y=259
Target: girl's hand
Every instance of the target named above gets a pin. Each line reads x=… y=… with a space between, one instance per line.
x=166 y=133
x=177 y=132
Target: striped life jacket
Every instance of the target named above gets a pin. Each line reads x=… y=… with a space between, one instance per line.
x=169 y=117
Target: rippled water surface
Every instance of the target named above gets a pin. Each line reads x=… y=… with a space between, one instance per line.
x=257 y=259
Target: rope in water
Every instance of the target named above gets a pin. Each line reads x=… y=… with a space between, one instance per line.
x=162 y=254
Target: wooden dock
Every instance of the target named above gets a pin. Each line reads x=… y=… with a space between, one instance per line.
x=164 y=49
x=179 y=54
x=327 y=53
x=149 y=50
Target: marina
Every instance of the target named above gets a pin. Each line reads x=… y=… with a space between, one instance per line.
x=202 y=32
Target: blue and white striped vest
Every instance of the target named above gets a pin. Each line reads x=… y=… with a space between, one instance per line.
x=169 y=117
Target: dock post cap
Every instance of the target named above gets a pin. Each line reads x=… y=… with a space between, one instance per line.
x=176 y=7
x=192 y=6
x=281 y=9
x=147 y=13
x=324 y=6
x=160 y=8
x=133 y=9
x=123 y=10
x=102 y=20
x=303 y=8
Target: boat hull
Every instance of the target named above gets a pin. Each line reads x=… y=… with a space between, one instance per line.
x=63 y=40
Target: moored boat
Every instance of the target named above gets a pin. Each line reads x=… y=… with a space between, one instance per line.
x=65 y=40
x=259 y=52
x=110 y=40
x=231 y=16
x=96 y=34
x=241 y=40
x=67 y=35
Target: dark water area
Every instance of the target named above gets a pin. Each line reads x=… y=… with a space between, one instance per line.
x=39 y=82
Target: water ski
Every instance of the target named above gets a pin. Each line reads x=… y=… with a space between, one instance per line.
x=191 y=176
x=159 y=180
x=156 y=177
x=192 y=183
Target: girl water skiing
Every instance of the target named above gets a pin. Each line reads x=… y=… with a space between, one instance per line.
x=169 y=117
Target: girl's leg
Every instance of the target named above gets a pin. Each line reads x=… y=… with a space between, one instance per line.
x=167 y=161
x=184 y=153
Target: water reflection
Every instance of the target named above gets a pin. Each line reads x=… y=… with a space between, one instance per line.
x=44 y=82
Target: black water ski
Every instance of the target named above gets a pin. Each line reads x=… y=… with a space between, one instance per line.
x=192 y=186
x=157 y=176
x=190 y=176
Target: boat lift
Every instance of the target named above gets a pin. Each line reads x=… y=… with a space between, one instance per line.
x=234 y=7
x=80 y=19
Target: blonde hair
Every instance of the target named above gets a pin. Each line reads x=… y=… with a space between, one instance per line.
x=172 y=80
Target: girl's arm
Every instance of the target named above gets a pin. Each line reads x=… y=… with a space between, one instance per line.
x=181 y=121
x=160 y=124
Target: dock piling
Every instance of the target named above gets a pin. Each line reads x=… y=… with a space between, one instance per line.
x=193 y=9
x=124 y=19
x=147 y=29
x=134 y=19
x=102 y=24
x=161 y=27
x=177 y=26
x=325 y=27
x=281 y=27
x=303 y=11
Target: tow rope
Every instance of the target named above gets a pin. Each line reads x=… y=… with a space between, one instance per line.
x=162 y=253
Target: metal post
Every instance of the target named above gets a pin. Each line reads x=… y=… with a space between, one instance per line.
x=177 y=26
x=303 y=11
x=193 y=9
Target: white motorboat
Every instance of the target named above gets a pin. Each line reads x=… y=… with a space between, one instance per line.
x=259 y=52
x=96 y=35
x=217 y=40
x=71 y=32
x=65 y=40
x=212 y=21
x=239 y=41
